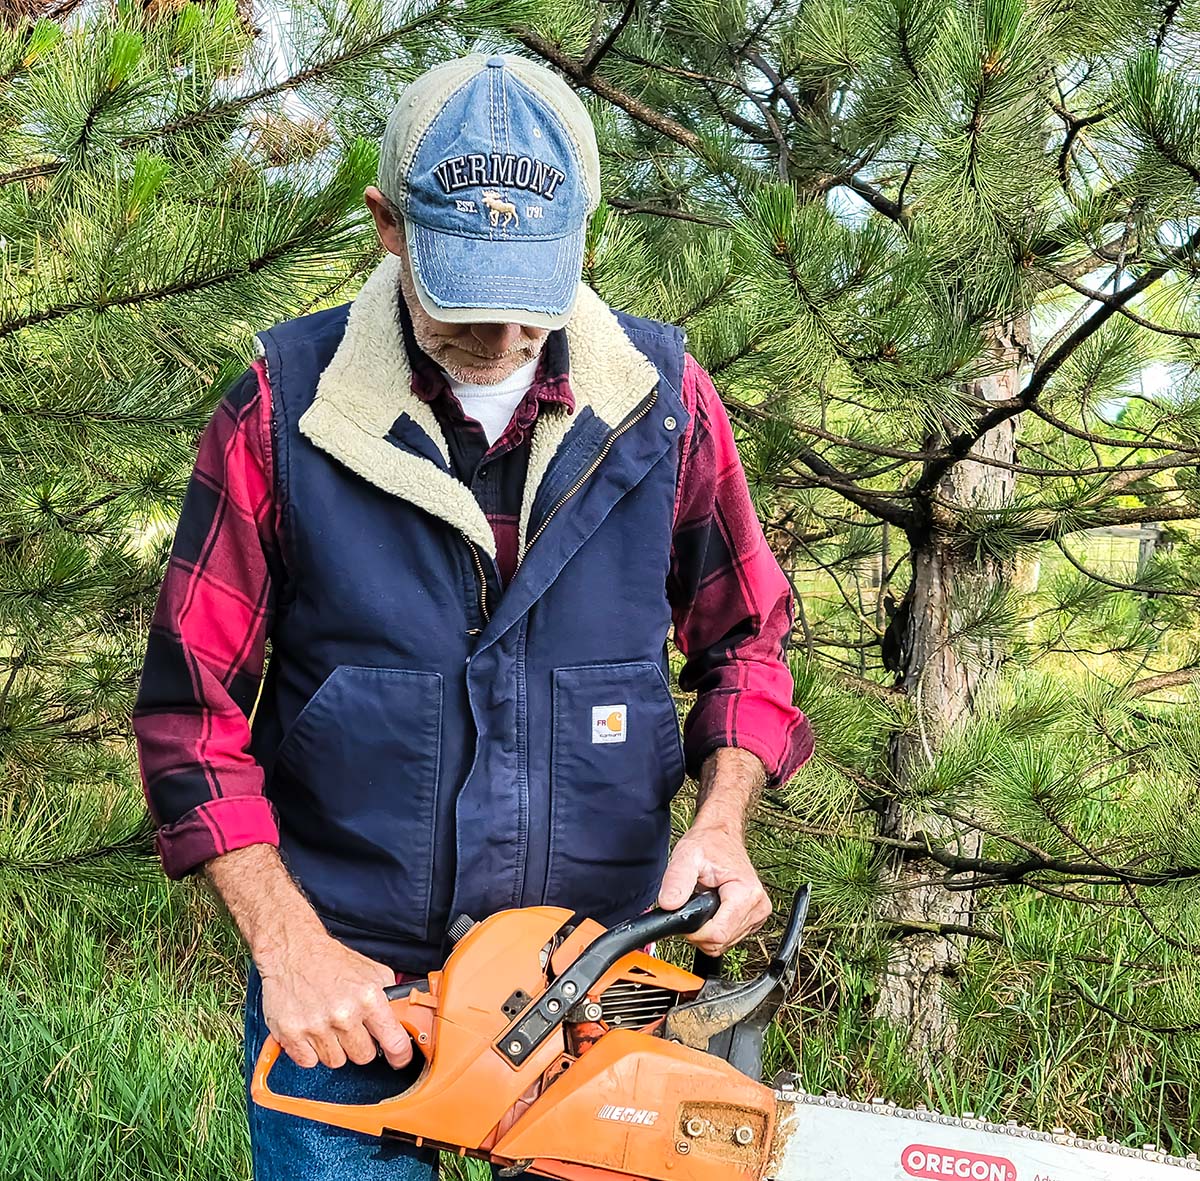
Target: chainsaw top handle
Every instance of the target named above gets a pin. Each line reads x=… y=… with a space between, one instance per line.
x=546 y=1012
x=659 y=924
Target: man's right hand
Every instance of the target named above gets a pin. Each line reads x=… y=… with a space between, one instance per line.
x=324 y=1002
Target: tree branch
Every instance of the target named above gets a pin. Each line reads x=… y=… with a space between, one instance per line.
x=592 y=60
x=1127 y=586
x=958 y=446
x=1171 y=680
x=647 y=116
x=1100 y=1006
x=1101 y=297
x=648 y=207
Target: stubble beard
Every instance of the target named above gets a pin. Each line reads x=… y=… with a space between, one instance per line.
x=487 y=373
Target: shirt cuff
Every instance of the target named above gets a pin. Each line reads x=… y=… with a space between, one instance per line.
x=215 y=827
x=781 y=737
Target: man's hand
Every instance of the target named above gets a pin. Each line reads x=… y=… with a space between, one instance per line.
x=712 y=853
x=324 y=1002
x=716 y=858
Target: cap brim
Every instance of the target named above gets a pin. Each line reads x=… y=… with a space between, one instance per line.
x=481 y=280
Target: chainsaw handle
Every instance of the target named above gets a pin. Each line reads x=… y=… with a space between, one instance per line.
x=323 y=1110
x=546 y=1013
x=660 y=924
x=416 y=1019
x=395 y=992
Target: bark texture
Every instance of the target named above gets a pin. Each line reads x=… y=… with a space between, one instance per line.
x=942 y=673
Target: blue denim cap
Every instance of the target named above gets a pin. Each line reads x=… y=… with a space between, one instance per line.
x=492 y=160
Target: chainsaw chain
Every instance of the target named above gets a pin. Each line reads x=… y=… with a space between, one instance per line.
x=787 y=1091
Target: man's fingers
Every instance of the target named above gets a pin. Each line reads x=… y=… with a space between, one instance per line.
x=744 y=909
x=679 y=880
x=328 y=1048
x=358 y=1045
x=299 y=1050
x=721 y=931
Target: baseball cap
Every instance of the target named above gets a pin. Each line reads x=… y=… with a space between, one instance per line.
x=492 y=160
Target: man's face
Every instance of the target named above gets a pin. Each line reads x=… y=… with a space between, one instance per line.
x=482 y=354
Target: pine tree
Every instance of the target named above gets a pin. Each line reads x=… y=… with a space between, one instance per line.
x=927 y=249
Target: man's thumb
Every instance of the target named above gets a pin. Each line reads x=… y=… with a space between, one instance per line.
x=678 y=882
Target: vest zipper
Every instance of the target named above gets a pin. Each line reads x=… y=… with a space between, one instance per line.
x=631 y=421
x=483 y=609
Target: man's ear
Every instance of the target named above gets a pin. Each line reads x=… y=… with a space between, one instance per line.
x=389 y=228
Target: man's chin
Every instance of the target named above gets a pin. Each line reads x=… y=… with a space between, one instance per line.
x=483 y=374
x=474 y=376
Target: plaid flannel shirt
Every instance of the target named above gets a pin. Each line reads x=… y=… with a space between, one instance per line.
x=731 y=604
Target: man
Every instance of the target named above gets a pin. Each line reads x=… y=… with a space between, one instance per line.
x=466 y=511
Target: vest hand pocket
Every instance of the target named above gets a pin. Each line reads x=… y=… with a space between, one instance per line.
x=355 y=781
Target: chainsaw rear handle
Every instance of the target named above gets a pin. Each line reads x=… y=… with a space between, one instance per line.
x=395 y=992
x=417 y=1021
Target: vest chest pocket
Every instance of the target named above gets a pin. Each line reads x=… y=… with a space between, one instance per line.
x=356 y=782
x=616 y=763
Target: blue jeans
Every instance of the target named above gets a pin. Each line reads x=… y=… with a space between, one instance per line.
x=284 y=1147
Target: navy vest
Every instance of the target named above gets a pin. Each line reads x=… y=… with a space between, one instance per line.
x=430 y=753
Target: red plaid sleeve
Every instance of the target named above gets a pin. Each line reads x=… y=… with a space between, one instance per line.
x=730 y=602
x=204 y=659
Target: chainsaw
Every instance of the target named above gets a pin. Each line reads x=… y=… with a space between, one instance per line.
x=556 y=1047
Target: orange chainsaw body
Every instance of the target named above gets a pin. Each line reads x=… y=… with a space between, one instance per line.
x=601 y=1096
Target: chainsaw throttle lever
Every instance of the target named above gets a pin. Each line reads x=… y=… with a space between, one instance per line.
x=395 y=992
x=546 y=1012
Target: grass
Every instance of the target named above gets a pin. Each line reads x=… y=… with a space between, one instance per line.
x=121 y=1040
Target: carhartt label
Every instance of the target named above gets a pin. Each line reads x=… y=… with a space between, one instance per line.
x=608 y=723
x=627 y=1115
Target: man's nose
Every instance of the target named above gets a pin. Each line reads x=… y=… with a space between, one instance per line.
x=497 y=338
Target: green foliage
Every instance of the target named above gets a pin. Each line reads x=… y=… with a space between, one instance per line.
x=1075 y=1005
x=894 y=230
x=914 y=313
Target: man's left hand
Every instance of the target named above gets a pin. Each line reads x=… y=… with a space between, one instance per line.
x=712 y=853
x=712 y=856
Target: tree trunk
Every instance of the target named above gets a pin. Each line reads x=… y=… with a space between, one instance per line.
x=942 y=680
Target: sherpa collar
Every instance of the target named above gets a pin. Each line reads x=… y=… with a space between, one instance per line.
x=367 y=386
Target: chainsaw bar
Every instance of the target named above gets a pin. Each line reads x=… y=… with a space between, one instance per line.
x=828 y=1138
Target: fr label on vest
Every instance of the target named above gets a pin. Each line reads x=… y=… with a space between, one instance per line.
x=608 y=723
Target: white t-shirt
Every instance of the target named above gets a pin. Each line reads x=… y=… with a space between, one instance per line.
x=492 y=406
